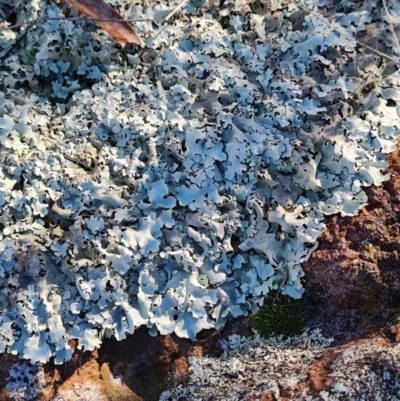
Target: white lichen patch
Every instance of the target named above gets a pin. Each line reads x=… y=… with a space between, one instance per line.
x=24 y=381
x=81 y=392
x=252 y=367
x=173 y=187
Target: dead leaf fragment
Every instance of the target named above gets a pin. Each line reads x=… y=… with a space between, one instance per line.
x=118 y=28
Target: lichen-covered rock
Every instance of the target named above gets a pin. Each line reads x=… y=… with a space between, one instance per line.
x=353 y=278
x=24 y=381
x=173 y=188
x=299 y=368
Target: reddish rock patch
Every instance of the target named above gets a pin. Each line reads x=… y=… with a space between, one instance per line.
x=91 y=372
x=353 y=278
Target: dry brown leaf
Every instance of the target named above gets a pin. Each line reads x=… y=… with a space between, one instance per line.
x=120 y=29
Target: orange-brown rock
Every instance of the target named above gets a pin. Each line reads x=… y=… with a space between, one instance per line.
x=353 y=278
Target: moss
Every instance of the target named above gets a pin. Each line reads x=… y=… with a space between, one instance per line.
x=281 y=314
x=152 y=383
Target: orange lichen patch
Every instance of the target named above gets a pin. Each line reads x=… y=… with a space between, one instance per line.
x=267 y=397
x=197 y=351
x=170 y=344
x=113 y=388
x=382 y=342
x=87 y=372
x=98 y=377
x=180 y=367
x=263 y=397
x=396 y=331
x=286 y=395
x=318 y=377
x=169 y=349
x=301 y=386
x=51 y=379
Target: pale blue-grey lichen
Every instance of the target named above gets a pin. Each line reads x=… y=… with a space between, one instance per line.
x=270 y=365
x=251 y=367
x=171 y=189
x=24 y=381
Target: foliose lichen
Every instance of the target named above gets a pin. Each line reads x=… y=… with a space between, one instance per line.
x=172 y=188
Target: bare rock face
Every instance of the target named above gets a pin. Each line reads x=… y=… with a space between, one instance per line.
x=353 y=278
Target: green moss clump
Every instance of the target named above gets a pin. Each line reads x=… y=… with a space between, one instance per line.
x=281 y=314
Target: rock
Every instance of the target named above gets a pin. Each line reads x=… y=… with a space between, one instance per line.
x=353 y=278
x=302 y=368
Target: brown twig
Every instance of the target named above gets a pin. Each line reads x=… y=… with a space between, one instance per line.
x=173 y=12
x=214 y=333
x=12 y=10
x=391 y=26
